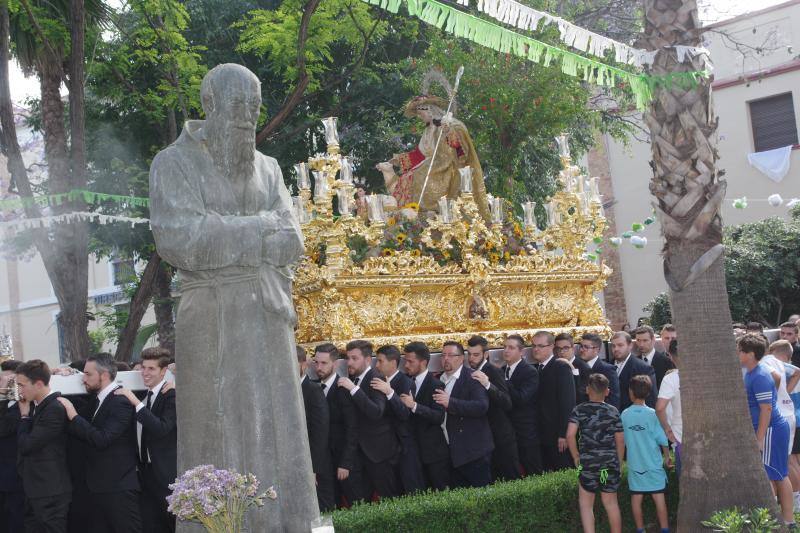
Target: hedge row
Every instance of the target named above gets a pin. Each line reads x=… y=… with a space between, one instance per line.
x=538 y=503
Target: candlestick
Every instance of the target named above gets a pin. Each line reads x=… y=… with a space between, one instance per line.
x=346 y=174
x=345 y=199
x=301 y=169
x=444 y=210
x=331 y=134
x=529 y=216
x=563 y=145
x=321 y=188
x=466 y=179
x=497 y=210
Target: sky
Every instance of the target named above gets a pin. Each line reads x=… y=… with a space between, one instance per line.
x=710 y=11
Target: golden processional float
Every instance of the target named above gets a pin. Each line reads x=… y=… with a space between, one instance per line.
x=391 y=275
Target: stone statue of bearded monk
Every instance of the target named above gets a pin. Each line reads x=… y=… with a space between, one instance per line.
x=455 y=150
x=222 y=216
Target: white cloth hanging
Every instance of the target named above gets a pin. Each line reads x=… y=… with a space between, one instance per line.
x=772 y=163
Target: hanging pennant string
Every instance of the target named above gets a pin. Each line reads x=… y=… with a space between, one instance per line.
x=90 y=197
x=22 y=224
x=490 y=35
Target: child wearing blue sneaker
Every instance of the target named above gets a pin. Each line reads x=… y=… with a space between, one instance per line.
x=646 y=444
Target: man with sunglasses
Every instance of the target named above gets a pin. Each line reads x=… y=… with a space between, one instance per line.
x=590 y=354
x=555 y=401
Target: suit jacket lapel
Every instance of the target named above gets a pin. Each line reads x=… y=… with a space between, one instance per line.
x=39 y=408
x=96 y=416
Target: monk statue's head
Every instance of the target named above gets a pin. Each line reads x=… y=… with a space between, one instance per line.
x=231 y=98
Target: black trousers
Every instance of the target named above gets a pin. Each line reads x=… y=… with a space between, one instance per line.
x=380 y=478
x=326 y=490
x=476 y=473
x=505 y=462
x=12 y=512
x=553 y=460
x=47 y=515
x=409 y=469
x=116 y=512
x=155 y=517
x=530 y=457
x=437 y=474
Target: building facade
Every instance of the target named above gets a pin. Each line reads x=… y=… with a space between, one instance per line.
x=756 y=92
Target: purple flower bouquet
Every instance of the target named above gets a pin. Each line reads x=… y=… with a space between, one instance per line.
x=218 y=499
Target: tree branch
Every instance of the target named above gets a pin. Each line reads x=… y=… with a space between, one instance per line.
x=296 y=95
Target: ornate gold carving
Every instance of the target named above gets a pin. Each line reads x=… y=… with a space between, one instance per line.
x=408 y=296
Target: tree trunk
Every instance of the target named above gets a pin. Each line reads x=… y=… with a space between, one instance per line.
x=138 y=307
x=163 y=305
x=722 y=465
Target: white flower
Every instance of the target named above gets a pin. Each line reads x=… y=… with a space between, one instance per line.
x=775 y=200
x=639 y=241
x=616 y=241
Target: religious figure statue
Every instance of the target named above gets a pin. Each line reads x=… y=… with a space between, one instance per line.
x=220 y=214
x=455 y=150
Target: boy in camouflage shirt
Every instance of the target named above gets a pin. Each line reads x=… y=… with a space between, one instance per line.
x=602 y=447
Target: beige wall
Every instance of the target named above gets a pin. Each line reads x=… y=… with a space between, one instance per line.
x=642 y=269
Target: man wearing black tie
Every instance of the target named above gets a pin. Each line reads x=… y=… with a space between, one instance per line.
x=156 y=428
x=427 y=416
x=555 y=402
x=342 y=434
x=523 y=385
x=505 y=457
x=110 y=437
x=42 y=444
x=645 y=339
x=629 y=366
x=466 y=403
x=318 y=427
x=565 y=349
x=396 y=384
x=377 y=441
x=590 y=354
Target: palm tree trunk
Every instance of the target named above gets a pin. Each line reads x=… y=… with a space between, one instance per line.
x=722 y=464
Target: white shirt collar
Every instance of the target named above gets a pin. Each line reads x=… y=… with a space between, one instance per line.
x=101 y=396
x=157 y=389
x=544 y=363
x=329 y=383
x=390 y=378
x=35 y=402
x=364 y=373
x=447 y=378
x=483 y=364
x=648 y=357
x=419 y=378
x=623 y=363
x=592 y=361
x=303 y=378
x=513 y=367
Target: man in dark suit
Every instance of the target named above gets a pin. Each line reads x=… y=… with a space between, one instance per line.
x=629 y=366
x=157 y=433
x=590 y=354
x=12 y=497
x=505 y=457
x=789 y=332
x=342 y=434
x=42 y=446
x=109 y=434
x=409 y=469
x=377 y=441
x=427 y=416
x=565 y=349
x=318 y=427
x=523 y=386
x=645 y=339
x=555 y=401
x=466 y=403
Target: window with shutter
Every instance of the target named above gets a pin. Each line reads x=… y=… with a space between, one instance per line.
x=773 y=122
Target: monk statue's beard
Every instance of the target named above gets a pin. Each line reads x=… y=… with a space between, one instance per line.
x=233 y=150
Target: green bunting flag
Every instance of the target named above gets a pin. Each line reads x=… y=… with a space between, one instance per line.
x=485 y=33
x=90 y=197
